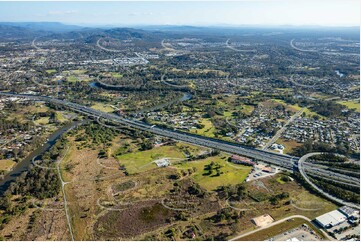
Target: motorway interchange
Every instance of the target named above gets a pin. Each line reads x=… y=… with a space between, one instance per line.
x=287 y=162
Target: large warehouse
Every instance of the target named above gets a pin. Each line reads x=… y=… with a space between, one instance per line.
x=331 y=219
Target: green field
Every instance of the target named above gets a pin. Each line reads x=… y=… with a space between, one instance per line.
x=6 y=164
x=78 y=72
x=297 y=108
x=351 y=104
x=42 y=121
x=59 y=116
x=142 y=160
x=231 y=175
x=51 y=71
x=72 y=78
x=103 y=107
x=208 y=129
x=227 y=114
x=116 y=75
x=247 y=109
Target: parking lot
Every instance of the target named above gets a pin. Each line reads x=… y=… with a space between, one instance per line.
x=301 y=233
x=259 y=171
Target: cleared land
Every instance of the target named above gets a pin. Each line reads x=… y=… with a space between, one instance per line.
x=231 y=174
x=351 y=104
x=6 y=165
x=103 y=107
x=142 y=160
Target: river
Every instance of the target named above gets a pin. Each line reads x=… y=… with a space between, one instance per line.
x=24 y=164
x=339 y=73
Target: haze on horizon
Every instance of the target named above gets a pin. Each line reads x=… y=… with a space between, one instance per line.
x=200 y=13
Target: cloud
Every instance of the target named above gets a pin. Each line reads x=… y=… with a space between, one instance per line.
x=67 y=12
x=133 y=14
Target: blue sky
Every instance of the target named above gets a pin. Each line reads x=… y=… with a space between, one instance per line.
x=123 y=13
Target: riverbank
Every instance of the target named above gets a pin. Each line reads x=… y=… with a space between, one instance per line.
x=25 y=163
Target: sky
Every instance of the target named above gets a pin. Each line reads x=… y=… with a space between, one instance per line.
x=198 y=13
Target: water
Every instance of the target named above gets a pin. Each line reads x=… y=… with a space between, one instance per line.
x=93 y=84
x=339 y=73
x=24 y=164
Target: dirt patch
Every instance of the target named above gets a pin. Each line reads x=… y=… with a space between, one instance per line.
x=36 y=224
x=139 y=218
x=121 y=187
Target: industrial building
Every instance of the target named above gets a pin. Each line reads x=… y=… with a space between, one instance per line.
x=350 y=213
x=331 y=219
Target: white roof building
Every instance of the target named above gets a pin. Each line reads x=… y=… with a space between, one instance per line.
x=162 y=162
x=331 y=219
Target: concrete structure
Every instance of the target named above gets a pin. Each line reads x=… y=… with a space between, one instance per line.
x=162 y=162
x=263 y=220
x=331 y=219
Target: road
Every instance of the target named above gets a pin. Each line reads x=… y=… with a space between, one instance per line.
x=36 y=47
x=304 y=175
x=285 y=161
x=273 y=224
x=106 y=49
x=296 y=48
x=279 y=132
x=64 y=195
x=171 y=48
x=169 y=84
x=235 y=49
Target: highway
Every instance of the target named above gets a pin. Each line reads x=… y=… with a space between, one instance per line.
x=285 y=161
x=329 y=196
x=106 y=49
x=235 y=49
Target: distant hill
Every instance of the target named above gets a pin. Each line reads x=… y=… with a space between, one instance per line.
x=43 y=26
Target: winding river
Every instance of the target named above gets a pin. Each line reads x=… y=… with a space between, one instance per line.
x=25 y=163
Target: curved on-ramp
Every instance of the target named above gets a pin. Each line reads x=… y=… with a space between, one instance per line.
x=304 y=175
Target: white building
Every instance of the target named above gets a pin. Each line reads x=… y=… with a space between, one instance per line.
x=331 y=219
x=162 y=162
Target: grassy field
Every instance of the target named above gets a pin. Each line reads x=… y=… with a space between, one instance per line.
x=247 y=109
x=60 y=117
x=230 y=176
x=42 y=121
x=6 y=164
x=103 y=107
x=208 y=129
x=78 y=72
x=288 y=144
x=72 y=78
x=278 y=229
x=227 y=114
x=116 y=75
x=142 y=160
x=51 y=71
x=351 y=104
x=296 y=108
